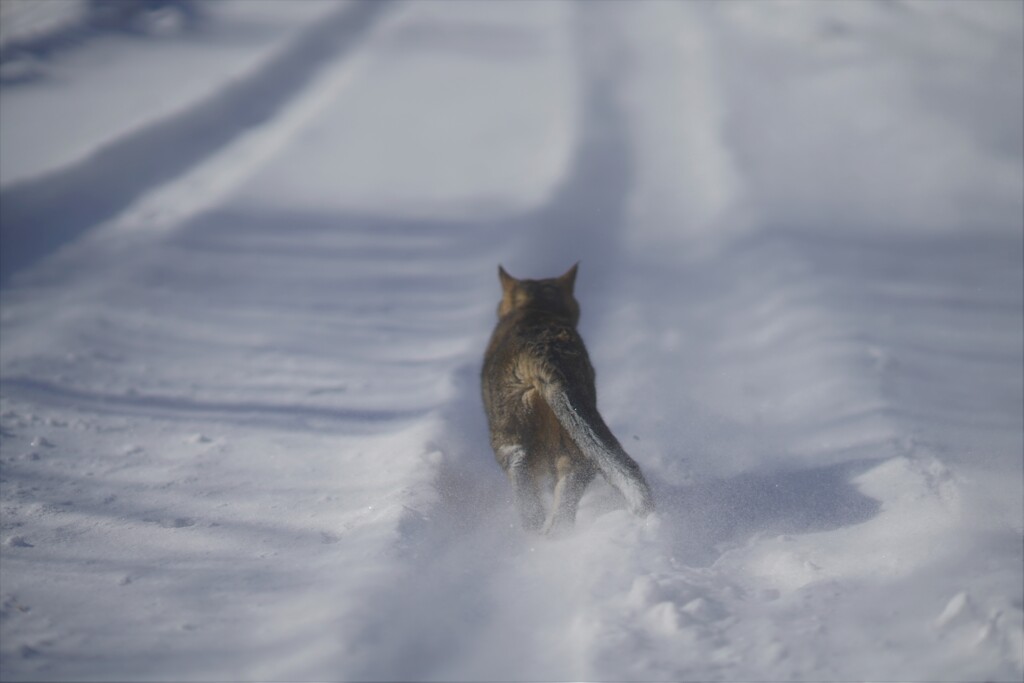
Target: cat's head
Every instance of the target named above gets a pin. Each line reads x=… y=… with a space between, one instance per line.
x=553 y=295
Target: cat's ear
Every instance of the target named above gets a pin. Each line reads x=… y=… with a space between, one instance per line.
x=507 y=281
x=568 y=281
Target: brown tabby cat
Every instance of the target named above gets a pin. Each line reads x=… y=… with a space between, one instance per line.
x=538 y=391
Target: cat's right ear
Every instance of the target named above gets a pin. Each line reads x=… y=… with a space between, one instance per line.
x=568 y=281
x=507 y=281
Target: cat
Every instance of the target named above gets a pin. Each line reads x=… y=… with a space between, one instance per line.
x=541 y=404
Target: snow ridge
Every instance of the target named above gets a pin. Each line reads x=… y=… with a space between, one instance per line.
x=69 y=200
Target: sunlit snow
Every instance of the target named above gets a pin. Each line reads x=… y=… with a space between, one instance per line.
x=249 y=267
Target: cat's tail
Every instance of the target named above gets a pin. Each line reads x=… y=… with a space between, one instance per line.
x=586 y=427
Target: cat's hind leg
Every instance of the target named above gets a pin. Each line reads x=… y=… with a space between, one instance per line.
x=573 y=475
x=524 y=486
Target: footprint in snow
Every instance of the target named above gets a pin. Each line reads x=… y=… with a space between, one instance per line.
x=10 y=606
x=18 y=542
x=959 y=610
x=178 y=523
x=32 y=651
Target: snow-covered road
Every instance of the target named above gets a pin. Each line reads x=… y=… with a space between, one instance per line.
x=244 y=307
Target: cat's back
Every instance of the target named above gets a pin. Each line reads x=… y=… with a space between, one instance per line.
x=529 y=346
x=532 y=333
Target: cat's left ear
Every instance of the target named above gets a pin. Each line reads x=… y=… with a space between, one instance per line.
x=568 y=281
x=507 y=281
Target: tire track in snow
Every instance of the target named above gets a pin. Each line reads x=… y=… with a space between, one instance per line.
x=767 y=350
x=277 y=400
x=281 y=415
x=776 y=380
x=796 y=413
x=39 y=215
x=448 y=613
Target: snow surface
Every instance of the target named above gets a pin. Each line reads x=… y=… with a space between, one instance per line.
x=249 y=273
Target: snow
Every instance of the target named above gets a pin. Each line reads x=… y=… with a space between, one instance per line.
x=114 y=96
x=249 y=272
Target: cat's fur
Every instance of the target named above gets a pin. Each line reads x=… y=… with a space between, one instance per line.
x=541 y=403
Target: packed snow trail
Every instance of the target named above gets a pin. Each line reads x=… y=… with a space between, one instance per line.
x=170 y=367
x=242 y=436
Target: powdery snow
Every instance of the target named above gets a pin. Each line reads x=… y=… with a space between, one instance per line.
x=241 y=431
